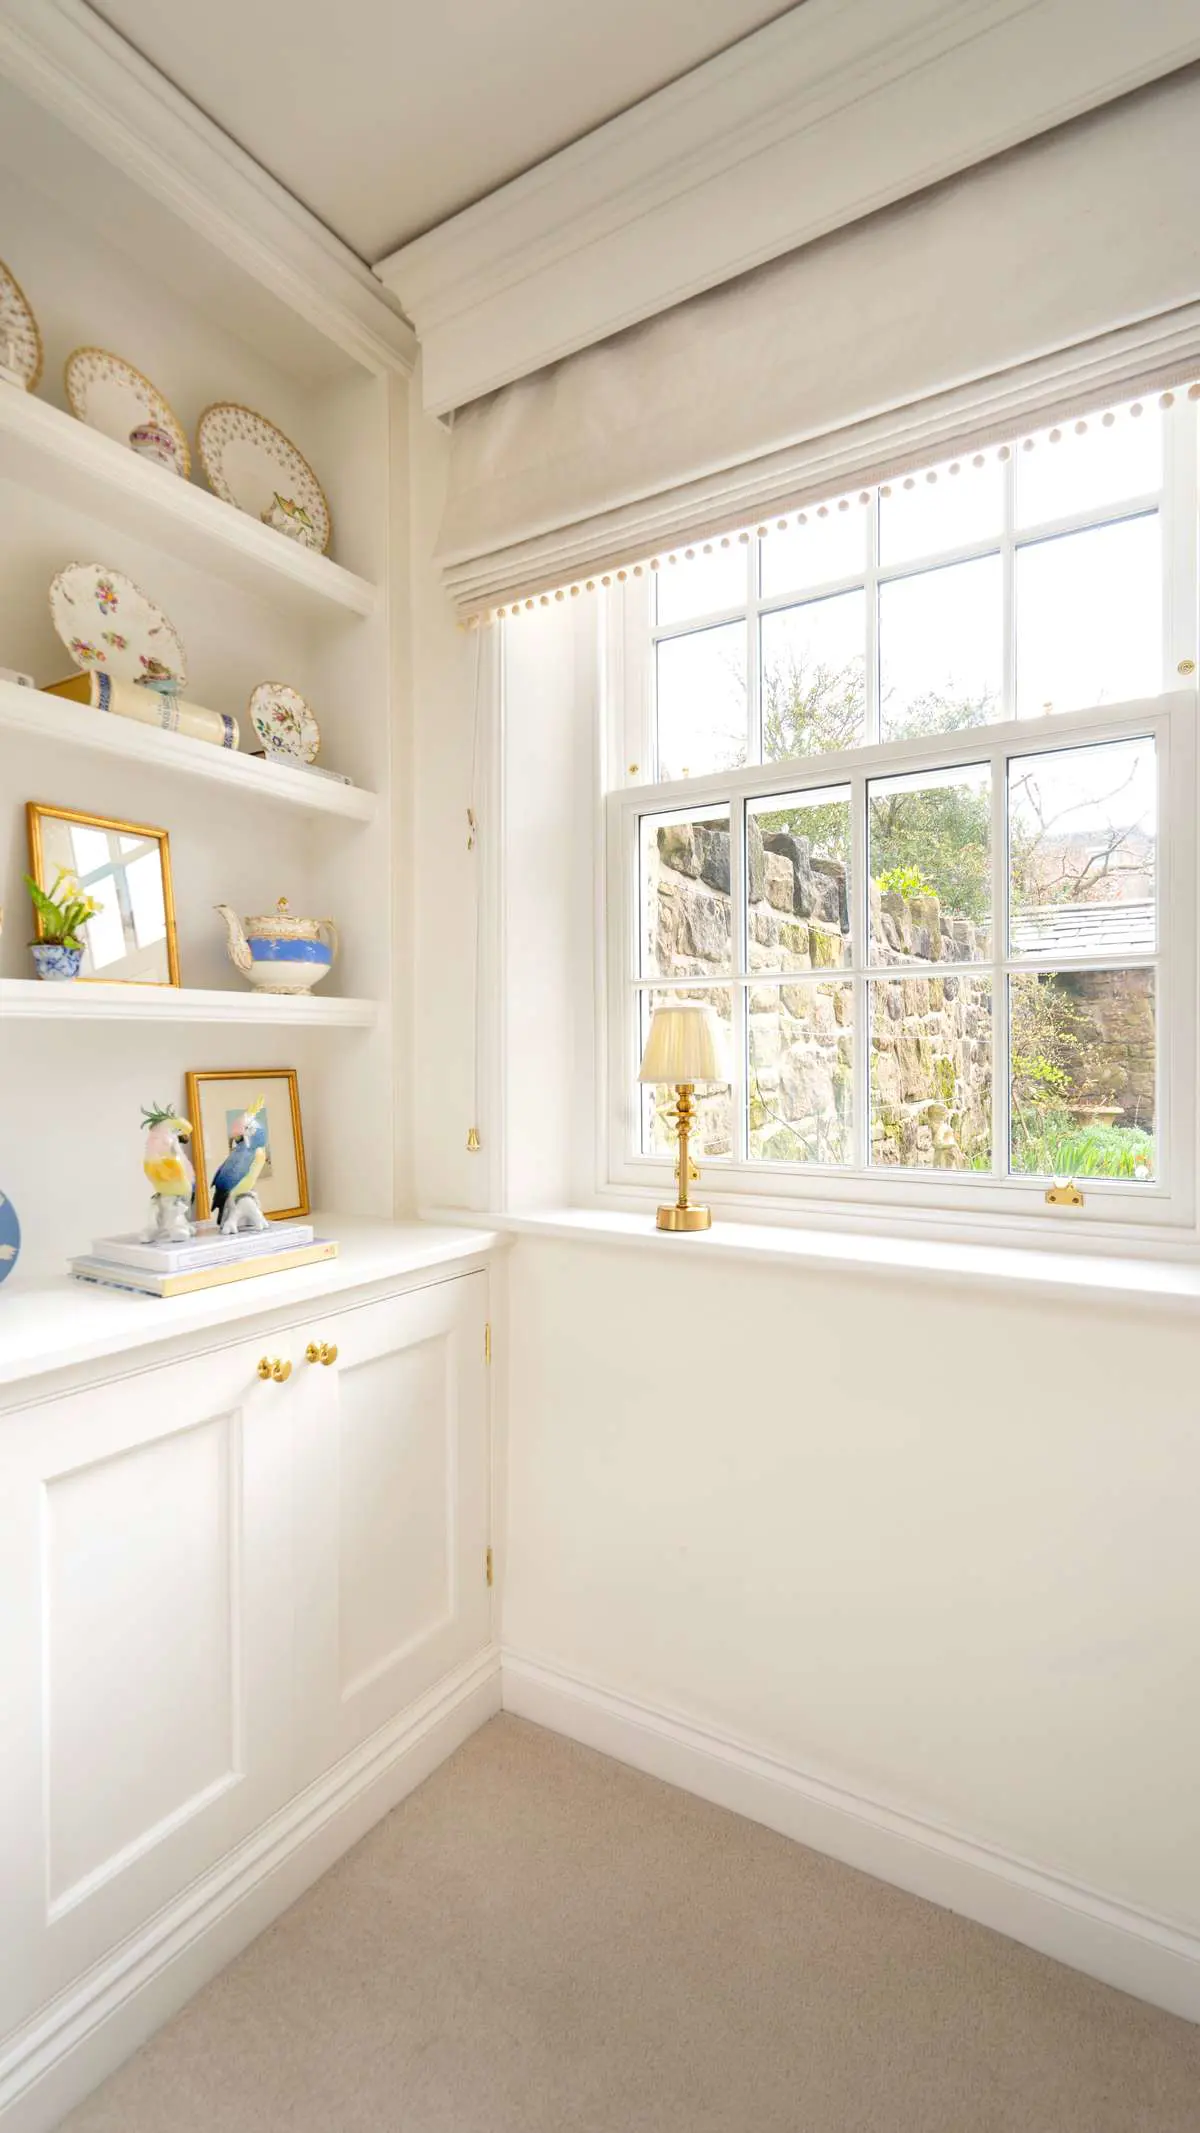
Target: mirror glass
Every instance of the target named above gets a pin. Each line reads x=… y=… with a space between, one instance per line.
x=125 y=867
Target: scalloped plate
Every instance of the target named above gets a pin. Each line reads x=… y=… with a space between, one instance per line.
x=19 y=328
x=248 y=462
x=283 y=722
x=109 y=626
x=111 y=396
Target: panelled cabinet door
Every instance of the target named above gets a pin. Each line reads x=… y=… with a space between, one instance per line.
x=145 y=1650
x=392 y=1511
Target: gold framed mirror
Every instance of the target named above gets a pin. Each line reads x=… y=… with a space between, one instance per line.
x=126 y=867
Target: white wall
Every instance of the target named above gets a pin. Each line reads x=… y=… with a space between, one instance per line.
x=940 y=1549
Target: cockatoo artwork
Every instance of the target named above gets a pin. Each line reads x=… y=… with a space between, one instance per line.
x=235 y=1202
x=169 y=1170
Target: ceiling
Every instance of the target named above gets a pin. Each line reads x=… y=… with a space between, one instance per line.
x=384 y=116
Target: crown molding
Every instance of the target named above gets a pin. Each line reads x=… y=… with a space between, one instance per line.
x=838 y=108
x=60 y=54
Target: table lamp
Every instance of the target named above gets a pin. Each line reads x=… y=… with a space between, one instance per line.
x=685 y=1045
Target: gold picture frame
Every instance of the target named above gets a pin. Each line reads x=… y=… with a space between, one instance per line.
x=214 y=1099
x=56 y=839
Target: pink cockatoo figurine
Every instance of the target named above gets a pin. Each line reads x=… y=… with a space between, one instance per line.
x=170 y=1172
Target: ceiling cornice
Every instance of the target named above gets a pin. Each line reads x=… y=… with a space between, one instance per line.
x=836 y=109
x=59 y=53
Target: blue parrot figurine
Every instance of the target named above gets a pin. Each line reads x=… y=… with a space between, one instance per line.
x=235 y=1202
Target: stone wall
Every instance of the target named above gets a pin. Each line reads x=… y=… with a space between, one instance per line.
x=930 y=1035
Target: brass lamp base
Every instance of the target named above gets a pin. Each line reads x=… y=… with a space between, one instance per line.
x=684 y=1218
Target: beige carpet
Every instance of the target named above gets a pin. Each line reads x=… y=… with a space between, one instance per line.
x=541 y=1940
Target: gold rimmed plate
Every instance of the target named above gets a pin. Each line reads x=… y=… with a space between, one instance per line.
x=111 y=396
x=249 y=463
x=283 y=722
x=20 y=341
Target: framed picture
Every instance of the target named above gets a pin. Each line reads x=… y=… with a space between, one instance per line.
x=126 y=867
x=217 y=1103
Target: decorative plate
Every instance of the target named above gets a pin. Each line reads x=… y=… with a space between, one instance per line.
x=249 y=463
x=10 y=1237
x=20 y=341
x=111 y=396
x=109 y=627
x=283 y=721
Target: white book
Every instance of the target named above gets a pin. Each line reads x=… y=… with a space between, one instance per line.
x=206 y=1248
x=136 y=1282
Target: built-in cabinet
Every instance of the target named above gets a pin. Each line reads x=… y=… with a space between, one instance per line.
x=218 y=1576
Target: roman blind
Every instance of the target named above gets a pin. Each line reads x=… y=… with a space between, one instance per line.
x=1052 y=274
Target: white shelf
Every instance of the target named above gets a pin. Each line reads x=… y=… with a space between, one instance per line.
x=56 y=718
x=85 y=1000
x=51 y=451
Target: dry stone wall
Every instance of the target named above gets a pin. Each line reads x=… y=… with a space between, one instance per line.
x=930 y=1034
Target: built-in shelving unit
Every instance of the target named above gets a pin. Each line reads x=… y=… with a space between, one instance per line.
x=46 y=449
x=135 y=227
x=87 y=1000
x=57 y=719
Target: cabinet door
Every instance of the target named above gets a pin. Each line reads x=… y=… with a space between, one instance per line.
x=393 y=1496
x=145 y=1650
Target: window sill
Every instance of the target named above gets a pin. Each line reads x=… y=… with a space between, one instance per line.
x=1105 y=1279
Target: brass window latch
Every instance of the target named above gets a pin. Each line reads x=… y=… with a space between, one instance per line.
x=1064 y=1194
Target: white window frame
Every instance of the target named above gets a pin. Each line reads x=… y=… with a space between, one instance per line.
x=1145 y=1212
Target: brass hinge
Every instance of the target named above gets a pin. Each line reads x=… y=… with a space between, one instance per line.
x=487 y=1342
x=491 y=1567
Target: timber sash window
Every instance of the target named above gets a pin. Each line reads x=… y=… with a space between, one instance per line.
x=922 y=832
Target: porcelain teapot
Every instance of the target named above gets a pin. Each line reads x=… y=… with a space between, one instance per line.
x=280 y=953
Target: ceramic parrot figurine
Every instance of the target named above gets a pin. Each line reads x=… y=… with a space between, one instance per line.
x=166 y=1164
x=235 y=1202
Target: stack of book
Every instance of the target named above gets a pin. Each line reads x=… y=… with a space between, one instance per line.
x=205 y=1261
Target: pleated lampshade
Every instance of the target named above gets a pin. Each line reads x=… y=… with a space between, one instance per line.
x=686 y=1044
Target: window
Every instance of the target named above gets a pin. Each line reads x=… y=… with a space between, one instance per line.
x=922 y=833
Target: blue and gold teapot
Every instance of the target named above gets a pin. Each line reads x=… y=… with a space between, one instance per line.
x=280 y=953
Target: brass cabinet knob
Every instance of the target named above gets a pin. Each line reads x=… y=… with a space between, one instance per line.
x=320 y=1352
x=272 y=1367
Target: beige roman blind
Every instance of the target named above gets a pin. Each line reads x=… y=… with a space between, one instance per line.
x=1055 y=274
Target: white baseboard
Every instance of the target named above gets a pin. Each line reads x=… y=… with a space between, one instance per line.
x=1131 y=1949
x=57 y=2058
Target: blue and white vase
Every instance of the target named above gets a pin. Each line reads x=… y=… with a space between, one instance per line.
x=280 y=953
x=10 y=1237
x=52 y=959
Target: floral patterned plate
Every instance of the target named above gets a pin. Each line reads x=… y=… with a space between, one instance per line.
x=249 y=463
x=109 y=627
x=111 y=396
x=20 y=341
x=283 y=721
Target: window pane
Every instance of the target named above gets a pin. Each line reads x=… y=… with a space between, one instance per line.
x=831 y=544
x=702 y=702
x=713 y=1133
x=922 y=517
x=814 y=677
x=1089 y=617
x=1094 y=462
x=800 y=1077
x=931 y=1072
x=1082 y=832
x=685 y=928
x=941 y=661
x=798 y=864
x=702 y=586
x=1083 y=1073
x=930 y=839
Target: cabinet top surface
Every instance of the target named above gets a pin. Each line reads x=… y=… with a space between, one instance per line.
x=53 y=1326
